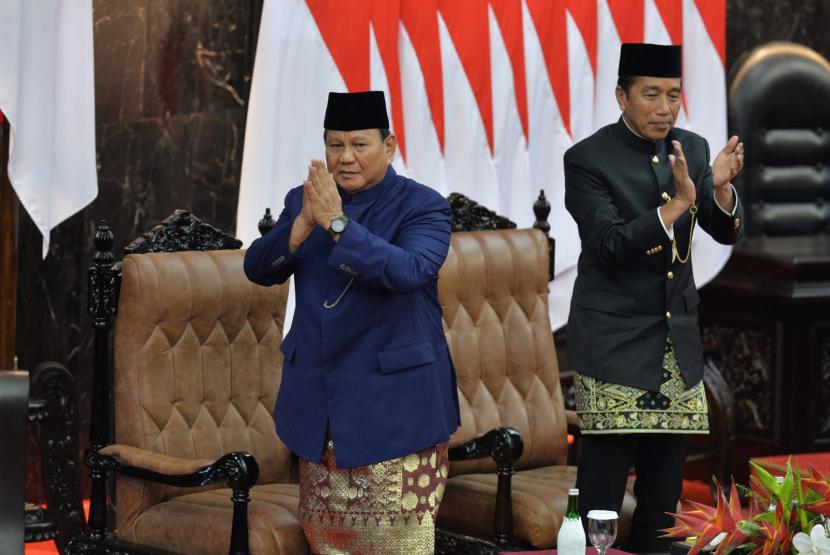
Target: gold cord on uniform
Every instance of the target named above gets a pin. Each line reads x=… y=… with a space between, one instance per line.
x=675 y=254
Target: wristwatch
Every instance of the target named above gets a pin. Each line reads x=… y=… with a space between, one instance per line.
x=337 y=225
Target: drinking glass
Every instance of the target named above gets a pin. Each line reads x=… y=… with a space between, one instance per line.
x=602 y=529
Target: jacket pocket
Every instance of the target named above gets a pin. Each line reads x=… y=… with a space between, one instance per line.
x=408 y=356
x=691 y=297
x=287 y=348
x=609 y=303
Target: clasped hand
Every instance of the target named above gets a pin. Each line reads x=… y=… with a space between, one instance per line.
x=321 y=201
x=321 y=204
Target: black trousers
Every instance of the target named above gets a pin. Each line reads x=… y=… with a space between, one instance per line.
x=657 y=459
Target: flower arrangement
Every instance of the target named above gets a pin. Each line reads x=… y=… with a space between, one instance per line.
x=784 y=516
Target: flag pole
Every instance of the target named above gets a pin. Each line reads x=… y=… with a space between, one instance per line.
x=8 y=255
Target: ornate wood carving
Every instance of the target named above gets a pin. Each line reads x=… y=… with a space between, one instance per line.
x=454 y=544
x=505 y=446
x=53 y=411
x=267 y=222
x=746 y=359
x=109 y=546
x=102 y=303
x=38 y=525
x=102 y=291
x=447 y=543
x=182 y=231
x=468 y=215
x=238 y=469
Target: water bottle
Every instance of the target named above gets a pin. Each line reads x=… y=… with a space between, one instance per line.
x=571 y=538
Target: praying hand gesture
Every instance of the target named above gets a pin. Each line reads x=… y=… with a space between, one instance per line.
x=321 y=204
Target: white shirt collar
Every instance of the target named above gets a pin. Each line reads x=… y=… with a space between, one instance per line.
x=625 y=121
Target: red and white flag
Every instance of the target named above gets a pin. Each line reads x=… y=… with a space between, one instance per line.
x=485 y=96
x=47 y=93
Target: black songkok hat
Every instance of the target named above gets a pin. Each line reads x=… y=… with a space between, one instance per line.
x=352 y=111
x=650 y=60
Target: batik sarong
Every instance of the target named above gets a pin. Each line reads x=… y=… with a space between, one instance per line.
x=610 y=408
x=387 y=508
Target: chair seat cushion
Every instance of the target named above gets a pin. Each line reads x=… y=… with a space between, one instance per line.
x=201 y=522
x=540 y=497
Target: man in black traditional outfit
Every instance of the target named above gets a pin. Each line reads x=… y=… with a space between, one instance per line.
x=636 y=188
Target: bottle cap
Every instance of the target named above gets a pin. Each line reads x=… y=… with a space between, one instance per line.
x=597 y=514
x=573 y=491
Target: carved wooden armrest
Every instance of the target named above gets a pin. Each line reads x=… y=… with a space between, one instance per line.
x=505 y=446
x=239 y=469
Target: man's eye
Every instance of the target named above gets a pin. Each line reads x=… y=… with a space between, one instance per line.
x=674 y=97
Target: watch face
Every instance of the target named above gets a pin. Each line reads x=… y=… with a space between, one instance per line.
x=338 y=225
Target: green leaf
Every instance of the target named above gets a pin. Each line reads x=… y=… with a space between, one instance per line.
x=768 y=517
x=785 y=492
x=749 y=528
x=803 y=519
x=766 y=478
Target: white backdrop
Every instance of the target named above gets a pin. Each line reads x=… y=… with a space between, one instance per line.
x=484 y=95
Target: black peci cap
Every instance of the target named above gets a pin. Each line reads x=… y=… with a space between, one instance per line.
x=651 y=60
x=352 y=111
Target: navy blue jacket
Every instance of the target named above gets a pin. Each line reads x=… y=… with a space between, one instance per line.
x=375 y=369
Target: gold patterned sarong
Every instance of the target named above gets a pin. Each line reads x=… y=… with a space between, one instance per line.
x=609 y=408
x=387 y=508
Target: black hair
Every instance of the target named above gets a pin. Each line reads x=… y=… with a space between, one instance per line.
x=625 y=82
x=384 y=134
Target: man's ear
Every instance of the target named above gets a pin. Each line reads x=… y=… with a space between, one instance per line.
x=391 y=146
x=622 y=97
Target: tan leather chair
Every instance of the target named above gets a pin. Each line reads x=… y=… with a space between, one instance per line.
x=493 y=289
x=197 y=367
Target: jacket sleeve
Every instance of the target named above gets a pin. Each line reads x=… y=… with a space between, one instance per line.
x=269 y=260
x=604 y=233
x=413 y=259
x=724 y=228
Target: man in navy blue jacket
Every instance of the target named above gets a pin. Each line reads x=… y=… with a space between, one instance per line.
x=367 y=376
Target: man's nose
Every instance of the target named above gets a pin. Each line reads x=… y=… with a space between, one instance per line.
x=347 y=156
x=663 y=106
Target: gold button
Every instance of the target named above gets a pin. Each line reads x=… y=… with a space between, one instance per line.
x=668 y=315
x=670 y=275
x=737 y=223
x=659 y=248
x=665 y=197
x=654 y=159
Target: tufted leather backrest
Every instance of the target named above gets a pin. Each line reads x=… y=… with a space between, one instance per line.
x=493 y=289
x=197 y=362
x=779 y=107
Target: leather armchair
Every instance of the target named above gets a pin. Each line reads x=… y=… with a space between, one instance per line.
x=778 y=106
x=196 y=371
x=493 y=289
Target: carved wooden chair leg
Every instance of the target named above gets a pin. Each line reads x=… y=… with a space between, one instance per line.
x=239 y=529
x=503 y=519
x=98 y=497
